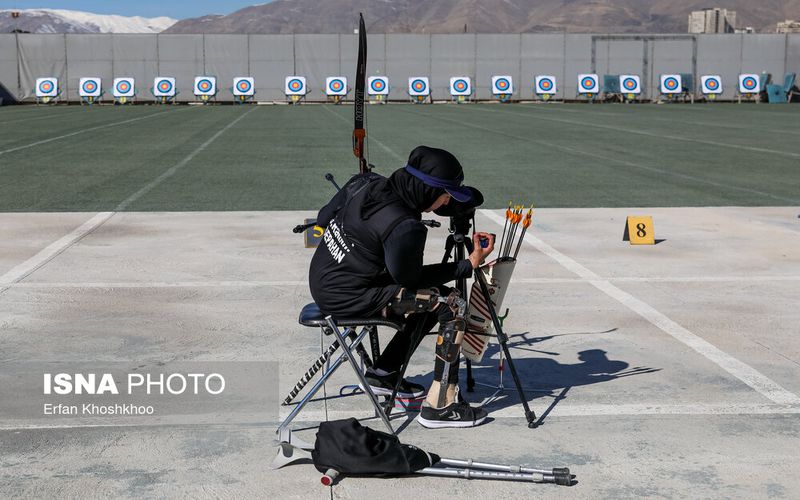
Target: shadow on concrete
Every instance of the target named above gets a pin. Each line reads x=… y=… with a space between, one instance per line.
x=546 y=377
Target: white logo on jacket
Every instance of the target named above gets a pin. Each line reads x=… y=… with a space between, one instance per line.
x=335 y=242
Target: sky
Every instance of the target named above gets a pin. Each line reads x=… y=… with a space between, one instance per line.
x=178 y=9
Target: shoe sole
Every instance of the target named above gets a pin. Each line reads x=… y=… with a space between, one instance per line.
x=380 y=391
x=442 y=424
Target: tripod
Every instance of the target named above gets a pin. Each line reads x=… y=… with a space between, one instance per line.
x=458 y=241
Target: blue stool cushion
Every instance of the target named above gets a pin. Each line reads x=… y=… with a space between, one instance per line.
x=312 y=316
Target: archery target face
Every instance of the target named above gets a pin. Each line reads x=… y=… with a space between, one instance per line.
x=164 y=86
x=711 y=84
x=123 y=87
x=205 y=85
x=502 y=85
x=378 y=85
x=89 y=87
x=748 y=84
x=545 y=84
x=588 y=84
x=336 y=85
x=295 y=85
x=419 y=86
x=244 y=85
x=460 y=85
x=630 y=84
x=47 y=87
x=671 y=84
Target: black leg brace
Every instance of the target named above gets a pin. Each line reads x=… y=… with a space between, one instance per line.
x=451 y=314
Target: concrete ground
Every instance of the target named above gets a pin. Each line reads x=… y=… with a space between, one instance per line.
x=661 y=371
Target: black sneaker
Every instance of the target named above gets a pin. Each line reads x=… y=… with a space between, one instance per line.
x=383 y=385
x=458 y=414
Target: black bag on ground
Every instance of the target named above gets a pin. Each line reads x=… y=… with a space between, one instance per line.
x=350 y=448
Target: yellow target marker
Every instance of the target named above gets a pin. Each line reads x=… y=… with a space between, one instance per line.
x=639 y=230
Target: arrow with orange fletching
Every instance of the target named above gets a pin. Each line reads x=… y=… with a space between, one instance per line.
x=525 y=225
x=505 y=225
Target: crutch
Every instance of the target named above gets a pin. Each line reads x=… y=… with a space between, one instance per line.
x=469 y=469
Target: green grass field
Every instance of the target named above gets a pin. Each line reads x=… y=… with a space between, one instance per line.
x=151 y=158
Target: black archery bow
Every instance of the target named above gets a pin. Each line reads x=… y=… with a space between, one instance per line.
x=359 y=132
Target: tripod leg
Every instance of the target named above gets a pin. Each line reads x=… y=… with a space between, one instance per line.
x=470 y=378
x=502 y=339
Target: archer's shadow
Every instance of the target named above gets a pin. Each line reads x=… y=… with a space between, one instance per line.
x=545 y=377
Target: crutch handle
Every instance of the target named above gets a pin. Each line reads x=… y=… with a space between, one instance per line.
x=329 y=477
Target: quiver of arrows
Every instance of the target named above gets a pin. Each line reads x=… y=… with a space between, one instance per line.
x=498 y=277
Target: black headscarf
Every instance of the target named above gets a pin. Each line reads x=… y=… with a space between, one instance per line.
x=408 y=189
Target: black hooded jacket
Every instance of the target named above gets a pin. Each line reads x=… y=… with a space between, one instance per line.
x=374 y=242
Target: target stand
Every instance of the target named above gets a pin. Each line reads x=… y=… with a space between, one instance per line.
x=336 y=89
x=421 y=99
x=90 y=90
x=47 y=99
x=243 y=89
x=164 y=90
x=419 y=90
x=89 y=100
x=545 y=87
x=205 y=89
x=124 y=91
x=588 y=86
x=206 y=99
x=378 y=89
x=631 y=87
x=243 y=99
x=461 y=89
x=749 y=88
x=47 y=90
x=503 y=87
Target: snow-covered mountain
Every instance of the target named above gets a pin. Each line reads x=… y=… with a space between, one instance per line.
x=73 y=21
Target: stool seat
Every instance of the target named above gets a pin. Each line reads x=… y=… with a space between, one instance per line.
x=312 y=316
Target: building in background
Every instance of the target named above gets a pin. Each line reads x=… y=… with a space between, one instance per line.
x=788 y=26
x=712 y=20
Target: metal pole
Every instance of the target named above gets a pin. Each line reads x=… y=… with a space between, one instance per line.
x=500 y=467
x=359 y=373
x=477 y=474
x=530 y=416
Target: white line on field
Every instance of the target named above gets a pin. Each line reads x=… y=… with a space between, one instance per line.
x=279 y=283
x=660 y=136
x=562 y=410
x=161 y=284
x=155 y=182
x=26 y=268
x=51 y=251
x=108 y=125
x=747 y=374
x=369 y=138
x=35 y=118
x=596 y=156
x=596 y=410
